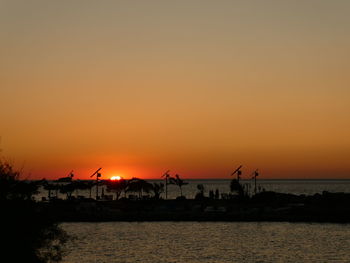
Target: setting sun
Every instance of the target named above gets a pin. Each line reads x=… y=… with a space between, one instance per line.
x=115 y=178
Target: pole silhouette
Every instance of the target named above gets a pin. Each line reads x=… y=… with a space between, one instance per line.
x=166 y=176
x=98 y=175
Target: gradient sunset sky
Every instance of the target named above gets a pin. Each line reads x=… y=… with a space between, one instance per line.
x=197 y=87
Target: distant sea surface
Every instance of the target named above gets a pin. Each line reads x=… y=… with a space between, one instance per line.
x=214 y=242
x=201 y=242
x=308 y=187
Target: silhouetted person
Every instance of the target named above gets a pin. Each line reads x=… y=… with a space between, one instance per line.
x=217 y=194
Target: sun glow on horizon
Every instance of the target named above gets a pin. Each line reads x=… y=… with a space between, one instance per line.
x=116 y=178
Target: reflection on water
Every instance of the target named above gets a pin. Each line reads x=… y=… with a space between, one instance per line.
x=192 y=242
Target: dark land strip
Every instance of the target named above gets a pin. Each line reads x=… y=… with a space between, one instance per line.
x=265 y=206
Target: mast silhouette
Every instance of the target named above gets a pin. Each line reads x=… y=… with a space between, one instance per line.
x=166 y=176
x=98 y=175
x=255 y=174
x=238 y=172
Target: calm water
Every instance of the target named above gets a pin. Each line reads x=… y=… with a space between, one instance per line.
x=210 y=242
x=192 y=242
x=283 y=186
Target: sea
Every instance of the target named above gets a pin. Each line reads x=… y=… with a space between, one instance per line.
x=214 y=242
x=207 y=242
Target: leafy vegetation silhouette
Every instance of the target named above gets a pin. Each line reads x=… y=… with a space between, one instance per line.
x=117 y=186
x=28 y=234
x=139 y=186
x=158 y=189
x=136 y=185
x=177 y=181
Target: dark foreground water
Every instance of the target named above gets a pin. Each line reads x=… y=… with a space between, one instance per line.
x=192 y=242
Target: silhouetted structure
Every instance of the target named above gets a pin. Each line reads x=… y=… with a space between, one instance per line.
x=98 y=175
x=255 y=174
x=235 y=186
x=238 y=172
x=166 y=175
x=66 y=179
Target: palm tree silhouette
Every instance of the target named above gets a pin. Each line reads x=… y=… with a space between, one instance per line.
x=166 y=176
x=158 y=189
x=177 y=181
x=139 y=186
x=117 y=186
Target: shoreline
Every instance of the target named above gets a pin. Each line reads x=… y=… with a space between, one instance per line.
x=264 y=207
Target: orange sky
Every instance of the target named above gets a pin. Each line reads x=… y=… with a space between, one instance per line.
x=197 y=87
